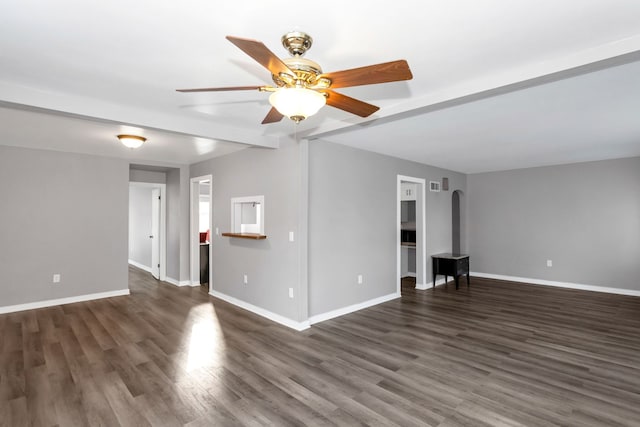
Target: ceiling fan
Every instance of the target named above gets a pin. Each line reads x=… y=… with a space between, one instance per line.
x=301 y=88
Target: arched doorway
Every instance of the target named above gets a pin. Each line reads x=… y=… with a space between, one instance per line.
x=456 y=230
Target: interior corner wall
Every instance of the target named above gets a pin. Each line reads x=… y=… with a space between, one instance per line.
x=177 y=180
x=185 y=218
x=353 y=223
x=272 y=265
x=584 y=217
x=62 y=213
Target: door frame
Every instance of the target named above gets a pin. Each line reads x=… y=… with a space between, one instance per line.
x=163 y=222
x=421 y=231
x=156 y=200
x=194 y=232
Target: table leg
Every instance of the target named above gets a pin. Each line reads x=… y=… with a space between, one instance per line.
x=456 y=279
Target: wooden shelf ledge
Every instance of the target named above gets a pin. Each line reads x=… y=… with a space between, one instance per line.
x=253 y=236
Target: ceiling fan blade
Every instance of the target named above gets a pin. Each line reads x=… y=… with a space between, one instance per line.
x=372 y=74
x=273 y=116
x=220 y=89
x=349 y=104
x=258 y=51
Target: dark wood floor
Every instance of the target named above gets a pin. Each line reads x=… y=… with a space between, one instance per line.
x=493 y=354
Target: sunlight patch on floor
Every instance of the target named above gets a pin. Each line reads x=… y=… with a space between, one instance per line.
x=206 y=340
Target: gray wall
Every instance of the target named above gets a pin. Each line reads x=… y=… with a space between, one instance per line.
x=61 y=213
x=136 y=175
x=176 y=250
x=353 y=223
x=584 y=217
x=272 y=265
x=140 y=224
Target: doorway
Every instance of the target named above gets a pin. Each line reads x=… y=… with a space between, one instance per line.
x=411 y=230
x=147 y=227
x=457 y=222
x=201 y=231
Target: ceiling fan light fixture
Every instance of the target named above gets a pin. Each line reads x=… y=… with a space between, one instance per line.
x=132 y=141
x=302 y=88
x=297 y=103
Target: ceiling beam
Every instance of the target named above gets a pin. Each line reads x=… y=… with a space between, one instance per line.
x=603 y=56
x=91 y=108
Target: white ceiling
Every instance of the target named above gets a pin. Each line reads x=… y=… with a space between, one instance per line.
x=497 y=84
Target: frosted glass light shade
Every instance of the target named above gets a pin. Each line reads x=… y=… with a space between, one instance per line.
x=297 y=103
x=132 y=141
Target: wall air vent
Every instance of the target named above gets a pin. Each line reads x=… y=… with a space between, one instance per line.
x=434 y=186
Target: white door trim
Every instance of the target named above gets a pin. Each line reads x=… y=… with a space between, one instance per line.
x=156 y=199
x=421 y=231
x=163 y=222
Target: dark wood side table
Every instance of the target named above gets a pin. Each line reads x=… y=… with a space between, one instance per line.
x=449 y=264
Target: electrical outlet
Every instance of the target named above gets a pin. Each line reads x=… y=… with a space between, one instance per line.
x=291 y=236
x=56 y=278
x=549 y=263
x=246 y=279
x=359 y=279
x=290 y=292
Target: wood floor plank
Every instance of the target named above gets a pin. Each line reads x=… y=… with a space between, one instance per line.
x=12 y=380
x=163 y=393
x=494 y=354
x=40 y=398
x=18 y=414
x=155 y=412
x=122 y=402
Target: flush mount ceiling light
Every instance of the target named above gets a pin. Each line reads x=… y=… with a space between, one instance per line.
x=297 y=103
x=132 y=141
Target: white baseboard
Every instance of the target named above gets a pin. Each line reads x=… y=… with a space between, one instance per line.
x=140 y=266
x=423 y=286
x=298 y=326
x=619 y=291
x=175 y=282
x=351 y=308
x=62 y=301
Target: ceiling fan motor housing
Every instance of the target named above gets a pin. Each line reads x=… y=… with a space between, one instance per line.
x=297 y=42
x=305 y=71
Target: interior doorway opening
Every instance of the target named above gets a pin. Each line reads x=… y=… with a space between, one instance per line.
x=201 y=231
x=411 y=231
x=457 y=222
x=147 y=228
